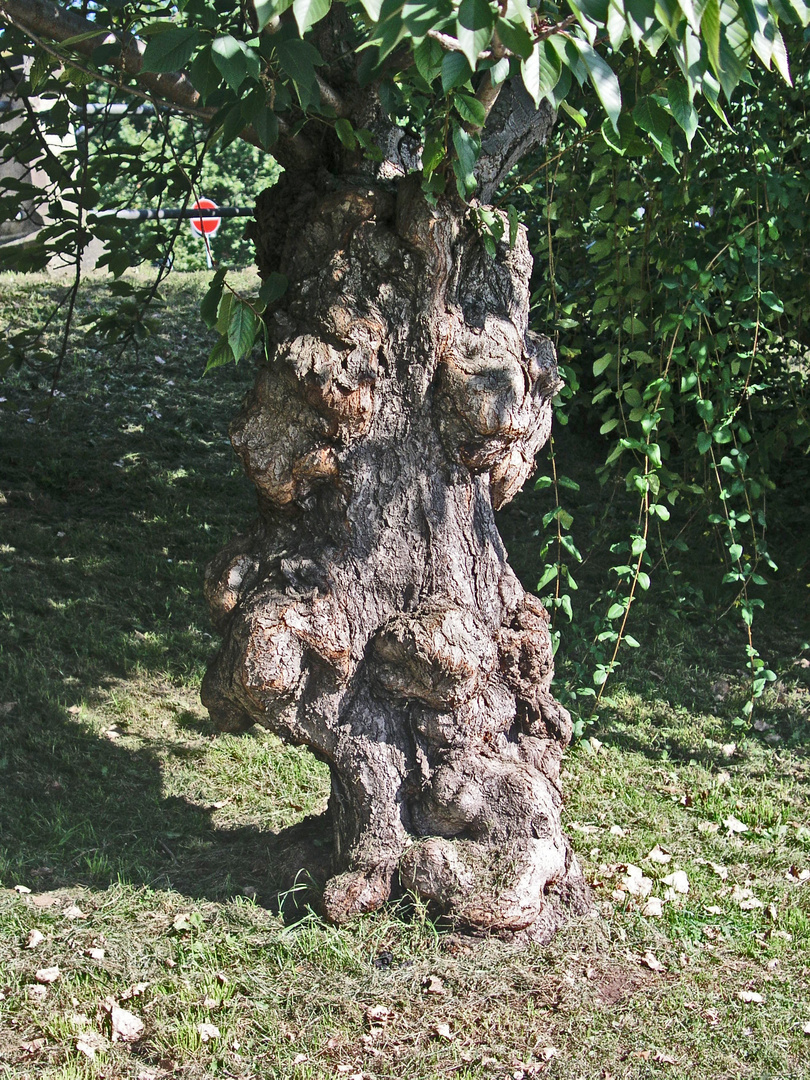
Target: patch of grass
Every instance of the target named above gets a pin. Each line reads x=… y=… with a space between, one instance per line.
x=151 y=847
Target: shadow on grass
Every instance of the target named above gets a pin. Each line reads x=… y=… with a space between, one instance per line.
x=76 y=809
x=108 y=515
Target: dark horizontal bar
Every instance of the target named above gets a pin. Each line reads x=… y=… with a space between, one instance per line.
x=161 y=215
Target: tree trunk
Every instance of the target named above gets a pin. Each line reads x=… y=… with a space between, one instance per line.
x=371 y=614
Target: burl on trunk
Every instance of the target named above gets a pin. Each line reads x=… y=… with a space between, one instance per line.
x=371 y=614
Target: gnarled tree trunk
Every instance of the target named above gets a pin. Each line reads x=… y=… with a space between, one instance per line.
x=371 y=614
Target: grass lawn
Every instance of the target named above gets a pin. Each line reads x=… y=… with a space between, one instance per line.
x=140 y=931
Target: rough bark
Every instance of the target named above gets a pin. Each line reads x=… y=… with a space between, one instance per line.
x=371 y=614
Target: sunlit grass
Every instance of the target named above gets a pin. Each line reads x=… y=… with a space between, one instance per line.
x=118 y=799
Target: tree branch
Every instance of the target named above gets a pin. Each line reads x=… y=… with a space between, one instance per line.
x=39 y=19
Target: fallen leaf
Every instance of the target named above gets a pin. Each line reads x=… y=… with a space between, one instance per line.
x=7 y=707
x=35 y=937
x=653 y=909
x=36 y=993
x=47 y=975
x=708 y=827
x=547 y=1052
x=714 y=910
x=645 y=1055
x=208 y=1032
x=95 y=953
x=595 y=744
x=74 y=912
x=751 y=997
x=806 y=1027
x=721 y=871
x=734 y=825
x=617 y=830
x=33 y=1047
x=136 y=990
x=678 y=881
x=729 y=749
x=299 y=1059
x=751 y=904
x=21 y=889
x=442 y=1030
x=125 y=1025
x=433 y=985
x=664 y=1059
x=90 y=1043
x=635 y=883
x=649 y=960
x=378 y=1014
x=658 y=855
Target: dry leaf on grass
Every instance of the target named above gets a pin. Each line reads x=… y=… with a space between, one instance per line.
x=442 y=1031
x=734 y=825
x=806 y=1027
x=635 y=882
x=677 y=881
x=89 y=1043
x=208 y=1032
x=658 y=855
x=379 y=1014
x=125 y=1025
x=95 y=953
x=433 y=985
x=136 y=990
x=48 y=975
x=653 y=909
x=33 y=1047
x=36 y=993
x=35 y=937
x=751 y=997
x=21 y=889
x=73 y=912
x=650 y=960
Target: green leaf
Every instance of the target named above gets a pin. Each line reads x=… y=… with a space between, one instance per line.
x=210 y=302
x=242 y=327
x=235 y=60
x=345 y=133
x=265 y=124
x=220 y=355
x=268 y=9
x=516 y=38
x=650 y=117
x=171 y=49
x=467 y=149
x=474 y=28
x=616 y=611
x=604 y=81
x=308 y=12
x=602 y=364
x=576 y=115
x=710 y=30
x=514 y=223
x=204 y=74
x=682 y=109
x=455 y=71
x=470 y=110
x=273 y=288
x=298 y=60
x=549 y=574
x=428 y=56
x=735 y=552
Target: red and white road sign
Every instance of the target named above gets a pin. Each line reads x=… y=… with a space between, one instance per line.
x=205 y=226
